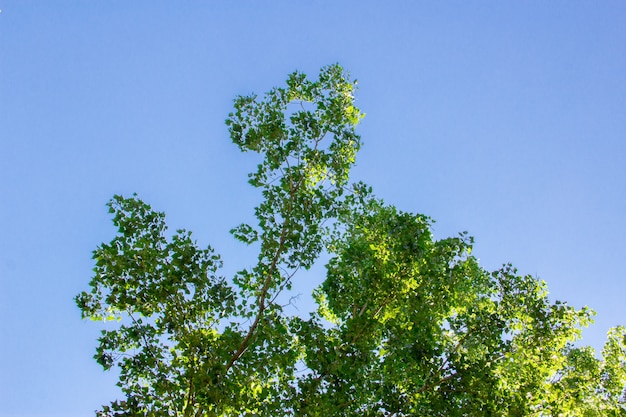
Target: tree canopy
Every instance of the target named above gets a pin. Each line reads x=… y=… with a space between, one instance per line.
x=406 y=324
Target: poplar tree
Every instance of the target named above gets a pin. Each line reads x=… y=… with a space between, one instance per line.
x=405 y=325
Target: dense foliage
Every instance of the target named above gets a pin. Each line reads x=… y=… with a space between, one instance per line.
x=406 y=324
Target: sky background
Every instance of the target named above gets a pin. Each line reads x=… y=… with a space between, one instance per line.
x=505 y=119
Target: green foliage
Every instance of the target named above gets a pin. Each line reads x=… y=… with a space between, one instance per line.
x=406 y=325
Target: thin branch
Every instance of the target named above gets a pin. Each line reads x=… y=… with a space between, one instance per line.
x=261 y=300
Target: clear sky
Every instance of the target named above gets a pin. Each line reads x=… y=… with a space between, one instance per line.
x=505 y=119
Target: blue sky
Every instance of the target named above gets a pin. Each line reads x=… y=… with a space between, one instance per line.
x=505 y=119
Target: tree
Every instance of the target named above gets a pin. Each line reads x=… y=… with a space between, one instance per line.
x=406 y=324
